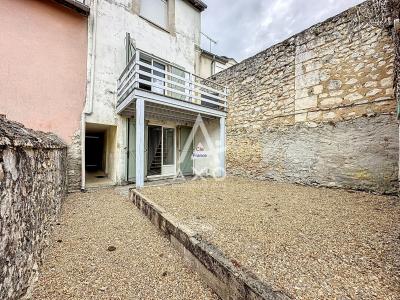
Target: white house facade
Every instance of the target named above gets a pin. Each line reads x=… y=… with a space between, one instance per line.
x=144 y=96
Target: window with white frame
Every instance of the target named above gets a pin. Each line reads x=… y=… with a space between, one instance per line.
x=155 y=11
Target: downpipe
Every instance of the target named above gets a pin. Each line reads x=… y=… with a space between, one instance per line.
x=88 y=108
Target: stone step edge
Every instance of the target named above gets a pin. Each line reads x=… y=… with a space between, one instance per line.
x=228 y=279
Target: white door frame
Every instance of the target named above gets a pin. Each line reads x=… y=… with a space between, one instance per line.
x=173 y=167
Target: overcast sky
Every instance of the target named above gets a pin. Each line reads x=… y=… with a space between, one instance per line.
x=243 y=28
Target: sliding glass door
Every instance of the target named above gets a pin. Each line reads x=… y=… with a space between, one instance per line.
x=161 y=151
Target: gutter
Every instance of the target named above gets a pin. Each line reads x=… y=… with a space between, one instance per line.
x=88 y=109
x=213 y=65
x=200 y=5
x=79 y=6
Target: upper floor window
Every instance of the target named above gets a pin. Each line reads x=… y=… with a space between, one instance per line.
x=155 y=11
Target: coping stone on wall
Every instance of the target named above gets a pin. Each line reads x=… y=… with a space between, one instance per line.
x=15 y=134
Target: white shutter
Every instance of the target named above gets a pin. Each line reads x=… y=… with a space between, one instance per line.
x=155 y=11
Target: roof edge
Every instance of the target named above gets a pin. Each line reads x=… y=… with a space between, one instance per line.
x=214 y=56
x=75 y=5
x=200 y=5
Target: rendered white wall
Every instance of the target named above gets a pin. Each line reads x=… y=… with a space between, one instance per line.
x=207 y=68
x=116 y=18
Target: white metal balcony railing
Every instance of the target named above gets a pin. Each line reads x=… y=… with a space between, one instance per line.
x=148 y=72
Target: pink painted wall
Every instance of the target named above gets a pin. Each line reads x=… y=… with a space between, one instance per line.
x=43 y=51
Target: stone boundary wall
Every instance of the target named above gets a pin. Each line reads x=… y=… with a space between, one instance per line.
x=32 y=186
x=324 y=149
x=74 y=163
x=229 y=281
x=323 y=78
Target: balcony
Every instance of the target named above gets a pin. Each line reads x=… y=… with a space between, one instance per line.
x=164 y=85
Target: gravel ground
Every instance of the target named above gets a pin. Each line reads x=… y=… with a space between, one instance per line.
x=79 y=265
x=312 y=243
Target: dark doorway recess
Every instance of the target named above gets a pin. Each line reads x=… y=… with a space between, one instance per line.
x=94 y=150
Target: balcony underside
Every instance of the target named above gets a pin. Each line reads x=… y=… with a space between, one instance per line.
x=166 y=108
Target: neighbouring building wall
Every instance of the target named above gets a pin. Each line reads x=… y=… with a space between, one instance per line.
x=111 y=146
x=205 y=66
x=318 y=108
x=220 y=66
x=113 y=20
x=43 y=51
x=210 y=64
x=32 y=187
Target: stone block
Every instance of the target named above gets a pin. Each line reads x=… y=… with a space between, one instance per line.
x=373 y=92
x=307 y=80
x=328 y=102
x=334 y=84
x=352 y=81
x=318 y=89
x=329 y=115
x=353 y=97
x=387 y=82
x=302 y=93
x=306 y=103
x=336 y=93
x=301 y=117
x=314 y=115
x=370 y=84
x=305 y=56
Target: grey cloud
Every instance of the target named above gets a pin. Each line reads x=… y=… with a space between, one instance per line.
x=245 y=27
